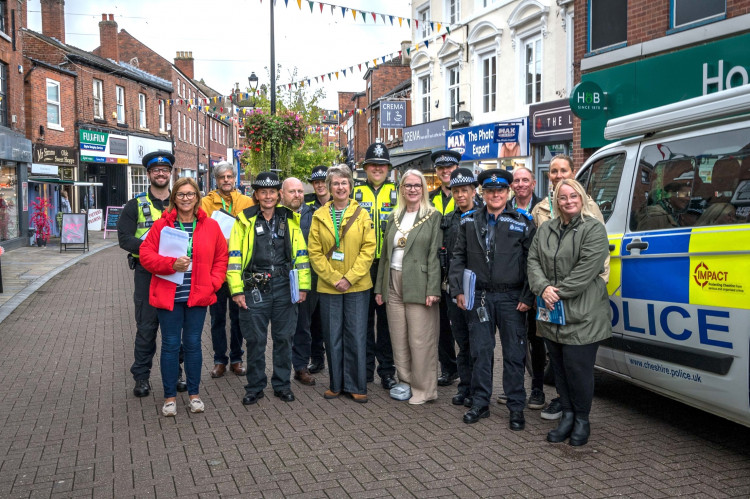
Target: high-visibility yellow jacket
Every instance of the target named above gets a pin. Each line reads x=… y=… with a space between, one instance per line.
x=147 y=215
x=358 y=246
x=213 y=201
x=242 y=240
x=379 y=204
x=436 y=198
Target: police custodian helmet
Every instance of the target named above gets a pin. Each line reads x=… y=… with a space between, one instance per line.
x=495 y=178
x=377 y=154
x=266 y=180
x=158 y=158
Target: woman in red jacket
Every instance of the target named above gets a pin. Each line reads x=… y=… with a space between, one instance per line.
x=182 y=308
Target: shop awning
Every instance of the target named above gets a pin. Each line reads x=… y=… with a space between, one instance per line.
x=51 y=181
x=406 y=158
x=87 y=184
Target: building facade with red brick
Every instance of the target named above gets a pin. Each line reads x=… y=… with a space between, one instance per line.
x=645 y=54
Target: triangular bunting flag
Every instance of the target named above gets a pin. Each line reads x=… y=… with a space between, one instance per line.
x=321 y=8
x=448 y=29
x=364 y=16
x=316 y=79
x=399 y=21
x=416 y=23
x=299 y=4
x=286 y=3
x=311 y=3
x=416 y=47
x=432 y=26
x=374 y=62
x=408 y=50
x=351 y=69
x=383 y=58
x=439 y=27
x=408 y=22
x=382 y=16
x=427 y=43
x=375 y=19
x=337 y=75
x=344 y=71
x=343 y=11
x=333 y=7
x=308 y=82
x=367 y=64
x=360 y=66
x=354 y=14
x=322 y=77
x=391 y=17
x=399 y=53
x=443 y=37
x=302 y=83
x=290 y=86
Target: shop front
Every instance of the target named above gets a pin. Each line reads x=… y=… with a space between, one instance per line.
x=103 y=160
x=52 y=176
x=492 y=145
x=419 y=143
x=138 y=147
x=551 y=133
x=15 y=156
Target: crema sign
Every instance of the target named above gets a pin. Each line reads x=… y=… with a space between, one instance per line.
x=54 y=155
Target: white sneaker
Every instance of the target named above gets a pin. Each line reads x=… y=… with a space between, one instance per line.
x=169 y=409
x=401 y=391
x=196 y=405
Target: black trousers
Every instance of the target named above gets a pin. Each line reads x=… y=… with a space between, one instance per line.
x=574 y=375
x=378 y=345
x=464 y=362
x=538 y=352
x=446 y=343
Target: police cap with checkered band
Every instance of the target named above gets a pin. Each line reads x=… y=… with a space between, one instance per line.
x=445 y=158
x=461 y=177
x=266 y=180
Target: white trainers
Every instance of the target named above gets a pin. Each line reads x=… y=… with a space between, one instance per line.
x=401 y=391
x=169 y=409
x=196 y=405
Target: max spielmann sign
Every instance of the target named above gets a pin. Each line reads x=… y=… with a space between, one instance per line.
x=54 y=155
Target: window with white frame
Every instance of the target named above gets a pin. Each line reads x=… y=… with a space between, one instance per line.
x=142 y=110
x=179 y=88
x=532 y=70
x=489 y=84
x=53 y=104
x=190 y=130
x=185 y=133
x=162 y=123
x=120 y=92
x=423 y=15
x=454 y=91
x=453 y=10
x=139 y=179
x=608 y=23
x=98 y=88
x=424 y=97
x=686 y=12
x=179 y=125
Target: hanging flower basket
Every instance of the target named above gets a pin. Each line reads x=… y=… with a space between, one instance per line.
x=283 y=132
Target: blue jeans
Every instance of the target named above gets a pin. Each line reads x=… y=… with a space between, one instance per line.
x=344 y=320
x=219 y=328
x=501 y=309
x=182 y=325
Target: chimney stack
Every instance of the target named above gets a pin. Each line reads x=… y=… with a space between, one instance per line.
x=53 y=19
x=108 y=46
x=184 y=62
x=405 y=57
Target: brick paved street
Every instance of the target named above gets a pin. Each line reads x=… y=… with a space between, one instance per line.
x=70 y=426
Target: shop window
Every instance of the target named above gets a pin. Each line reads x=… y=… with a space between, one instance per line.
x=142 y=110
x=424 y=97
x=8 y=202
x=489 y=84
x=608 y=24
x=453 y=9
x=533 y=70
x=162 y=123
x=454 y=91
x=602 y=181
x=3 y=19
x=687 y=12
x=424 y=21
x=139 y=179
x=3 y=94
x=703 y=181
x=120 y=91
x=53 y=104
x=98 y=104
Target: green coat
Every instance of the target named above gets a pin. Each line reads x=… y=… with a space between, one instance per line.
x=571 y=260
x=420 y=267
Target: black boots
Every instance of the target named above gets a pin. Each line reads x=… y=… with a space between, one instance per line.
x=581 y=432
x=564 y=427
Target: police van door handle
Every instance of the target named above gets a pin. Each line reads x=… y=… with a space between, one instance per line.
x=635 y=246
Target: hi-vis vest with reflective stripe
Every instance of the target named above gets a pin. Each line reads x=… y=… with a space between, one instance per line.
x=436 y=197
x=242 y=240
x=147 y=215
x=378 y=207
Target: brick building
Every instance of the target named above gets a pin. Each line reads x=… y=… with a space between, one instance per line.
x=106 y=108
x=15 y=148
x=646 y=54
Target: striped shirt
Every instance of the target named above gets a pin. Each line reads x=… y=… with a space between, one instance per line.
x=183 y=290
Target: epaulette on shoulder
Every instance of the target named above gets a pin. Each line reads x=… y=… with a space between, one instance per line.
x=359 y=183
x=526 y=215
x=141 y=195
x=466 y=214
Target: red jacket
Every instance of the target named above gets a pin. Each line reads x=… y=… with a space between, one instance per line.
x=209 y=262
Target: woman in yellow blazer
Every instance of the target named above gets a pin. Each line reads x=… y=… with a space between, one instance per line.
x=341 y=254
x=409 y=283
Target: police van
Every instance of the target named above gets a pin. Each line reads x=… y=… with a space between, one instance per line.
x=675 y=195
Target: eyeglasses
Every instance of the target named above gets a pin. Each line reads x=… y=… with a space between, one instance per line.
x=412 y=187
x=572 y=197
x=185 y=195
x=340 y=184
x=160 y=170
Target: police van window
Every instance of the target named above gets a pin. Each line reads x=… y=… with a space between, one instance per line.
x=602 y=181
x=700 y=181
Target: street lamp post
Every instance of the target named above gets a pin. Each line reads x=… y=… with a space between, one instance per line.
x=273 y=84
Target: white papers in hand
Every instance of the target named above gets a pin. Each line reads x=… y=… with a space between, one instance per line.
x=469 y=283
x=225 y=220
x=173 y=243
x=294 y=284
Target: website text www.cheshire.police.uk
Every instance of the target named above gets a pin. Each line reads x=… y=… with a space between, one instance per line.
x=659 y=368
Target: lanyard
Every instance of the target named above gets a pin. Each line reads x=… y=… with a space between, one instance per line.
x=549 y=198
x=225 y=206
x=190 y=240
x=337 y=223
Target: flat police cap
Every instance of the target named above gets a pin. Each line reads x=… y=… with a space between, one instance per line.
x=446 y=158
x=377 y=154
x=266 y=180
x=495 y=178
x=158 y=158
x=462 y=176
x=319 y=173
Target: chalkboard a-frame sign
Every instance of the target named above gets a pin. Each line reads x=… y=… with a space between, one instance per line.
x=75 y=231
x=112 y=217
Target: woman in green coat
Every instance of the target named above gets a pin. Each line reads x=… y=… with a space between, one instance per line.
x=564 y=263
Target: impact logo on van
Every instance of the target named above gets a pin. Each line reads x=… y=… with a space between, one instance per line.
x=714 y=279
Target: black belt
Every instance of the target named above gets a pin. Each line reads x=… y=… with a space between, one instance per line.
x=501 y=288
x=277 y=272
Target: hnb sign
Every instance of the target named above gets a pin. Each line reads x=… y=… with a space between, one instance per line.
x=587 y=100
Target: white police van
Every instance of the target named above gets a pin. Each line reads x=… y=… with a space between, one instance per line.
x=675 y=195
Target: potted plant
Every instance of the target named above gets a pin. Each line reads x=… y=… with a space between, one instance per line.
x=41 y=220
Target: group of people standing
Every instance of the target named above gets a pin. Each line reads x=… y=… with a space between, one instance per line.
x=374 y=275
